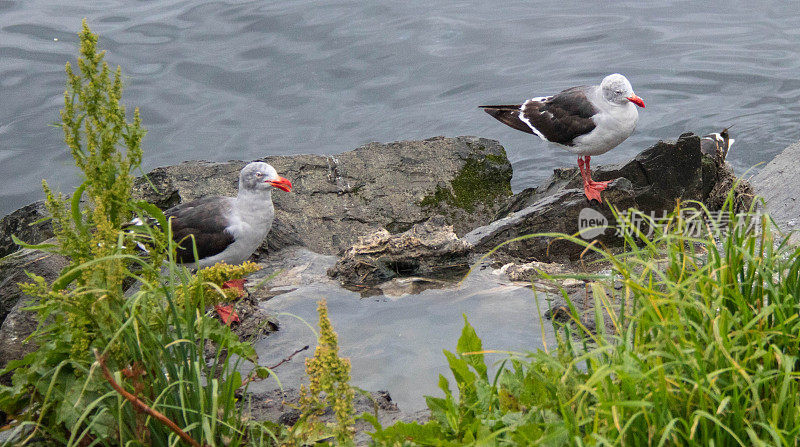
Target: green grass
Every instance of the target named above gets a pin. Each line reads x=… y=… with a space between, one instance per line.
x=704 y=351
x=154 y=341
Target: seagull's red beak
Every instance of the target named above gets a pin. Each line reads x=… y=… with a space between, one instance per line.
x=281 y=183
x=636 y=100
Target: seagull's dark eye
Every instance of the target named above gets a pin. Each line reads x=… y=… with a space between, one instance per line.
x=259 y=174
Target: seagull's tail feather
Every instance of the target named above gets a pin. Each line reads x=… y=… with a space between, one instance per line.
x=727 y=141
x=508 y=115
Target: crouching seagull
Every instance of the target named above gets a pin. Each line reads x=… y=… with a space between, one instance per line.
x=227 y=229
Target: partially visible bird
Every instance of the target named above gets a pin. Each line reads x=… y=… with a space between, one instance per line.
x=717 y=145
x=585 y=120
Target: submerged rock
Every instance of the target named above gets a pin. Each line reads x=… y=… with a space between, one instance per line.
x=281 y=406
x=430 y=250
x=531 y=270
x=412 y=285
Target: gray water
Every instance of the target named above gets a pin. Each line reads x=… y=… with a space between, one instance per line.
x=395 y=343
x=240 y=80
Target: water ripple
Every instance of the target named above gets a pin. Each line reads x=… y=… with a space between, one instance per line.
x=303 y=76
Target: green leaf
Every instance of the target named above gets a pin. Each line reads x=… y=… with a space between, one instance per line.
x=222 y=335
x=66 y=278
x=445 y=386
x=461 y=372
x=401 y=433
x=154 y=212
x=75 y=205
x=440 y=409
x=470 y=342
x=234 y=381
x=22 y=244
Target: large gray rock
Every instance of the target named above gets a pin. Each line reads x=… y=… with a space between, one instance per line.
x=653 y=183
x=556 y=213
x=16 y=327
x=777 y=185
x=659 y=175
x=24 y=224
x=12 y=272
x=336 y=199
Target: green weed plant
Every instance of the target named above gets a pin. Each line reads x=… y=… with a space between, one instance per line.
x=329 y=387
x=150 y=338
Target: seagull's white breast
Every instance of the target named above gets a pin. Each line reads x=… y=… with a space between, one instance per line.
x=614 y=124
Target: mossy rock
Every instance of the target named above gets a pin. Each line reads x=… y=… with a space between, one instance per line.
x=482 y=184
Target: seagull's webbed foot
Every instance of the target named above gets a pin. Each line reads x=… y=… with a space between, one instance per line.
x=590 y=187
x=600 y=186
x=592 y=190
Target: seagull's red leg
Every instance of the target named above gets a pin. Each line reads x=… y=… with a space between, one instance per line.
x=600 y=185
x=590 y=187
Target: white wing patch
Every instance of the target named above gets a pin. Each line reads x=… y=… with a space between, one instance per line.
x=526 y=121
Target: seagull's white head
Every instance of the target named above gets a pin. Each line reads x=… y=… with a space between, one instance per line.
x=618 y=90
x=260 y=176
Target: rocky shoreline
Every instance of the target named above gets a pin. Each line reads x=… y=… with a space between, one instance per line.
x=399 y=217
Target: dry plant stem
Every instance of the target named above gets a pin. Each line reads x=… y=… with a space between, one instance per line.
x=141 y=405
x=289 y=357
x=253 y=377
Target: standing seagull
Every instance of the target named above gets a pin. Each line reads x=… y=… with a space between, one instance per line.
x=585 y=120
